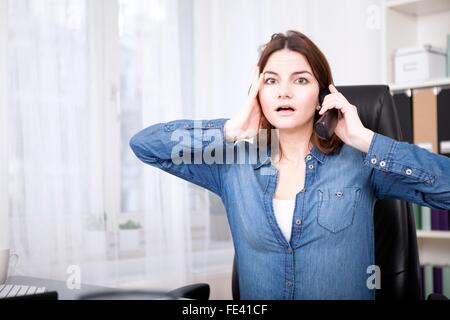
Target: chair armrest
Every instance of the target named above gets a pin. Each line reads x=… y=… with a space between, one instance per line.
x=198 y=291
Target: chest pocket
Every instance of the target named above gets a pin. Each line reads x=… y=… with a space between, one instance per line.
x=337 y=207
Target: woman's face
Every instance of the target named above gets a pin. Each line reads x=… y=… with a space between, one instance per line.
x=289 y=93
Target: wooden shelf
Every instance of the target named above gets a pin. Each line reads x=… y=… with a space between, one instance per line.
x=418 y=7
x=441 y=83
x=444 y=235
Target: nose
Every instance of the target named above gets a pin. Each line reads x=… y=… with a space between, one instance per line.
x=284 y=91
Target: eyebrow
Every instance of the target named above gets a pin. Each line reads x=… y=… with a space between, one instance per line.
x=293 y=73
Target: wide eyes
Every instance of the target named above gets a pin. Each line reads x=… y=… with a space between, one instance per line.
x=301 y=80
x=269 y=81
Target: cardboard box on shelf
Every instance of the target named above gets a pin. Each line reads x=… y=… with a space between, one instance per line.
x=420 y=63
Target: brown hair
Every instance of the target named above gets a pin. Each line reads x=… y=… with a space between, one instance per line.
x=297 y=41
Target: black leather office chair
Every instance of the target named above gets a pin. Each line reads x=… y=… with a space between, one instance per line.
x=396 y=251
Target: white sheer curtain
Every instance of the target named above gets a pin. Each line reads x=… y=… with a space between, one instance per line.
x=161 y=236
x=151 y=93
x=185 y=231
x=54 y=184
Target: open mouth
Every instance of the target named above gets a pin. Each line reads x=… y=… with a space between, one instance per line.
x=285 y=109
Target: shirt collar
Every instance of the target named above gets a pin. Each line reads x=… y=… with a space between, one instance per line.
x=266 y=157
x=319 y=155
x=263 y=159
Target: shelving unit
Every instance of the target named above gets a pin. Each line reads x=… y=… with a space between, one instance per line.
x=444 y=235
x=411 y=23
x=435 y=83
x=418 y=7
x=434 y=247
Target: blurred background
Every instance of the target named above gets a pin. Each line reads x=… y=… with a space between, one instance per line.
x=79 y=77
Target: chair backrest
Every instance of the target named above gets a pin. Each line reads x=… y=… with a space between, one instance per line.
x=396 y=252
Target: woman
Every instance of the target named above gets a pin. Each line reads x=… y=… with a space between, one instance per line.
x=301 y=215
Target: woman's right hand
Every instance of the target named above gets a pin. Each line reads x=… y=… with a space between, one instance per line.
x=246 y=123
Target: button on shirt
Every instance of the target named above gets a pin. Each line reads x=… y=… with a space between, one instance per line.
x=331 y=244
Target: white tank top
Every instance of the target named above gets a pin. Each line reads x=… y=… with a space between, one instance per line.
x=284 y=212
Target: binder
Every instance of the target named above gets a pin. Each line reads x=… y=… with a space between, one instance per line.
x=417 y=215
x=422 y=281
x=437 y=279
x=444 y=220
x=435 y=219
x=439 y=219
x=443 y=114
x=446 y=281
x=428 y=280
x=448 y=225
x=426 y=218
x=425 y=119
x=403 y=106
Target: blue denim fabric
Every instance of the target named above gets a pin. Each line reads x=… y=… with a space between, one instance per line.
x=332 y=242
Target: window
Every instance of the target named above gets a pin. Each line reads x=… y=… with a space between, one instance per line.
x=82 y=78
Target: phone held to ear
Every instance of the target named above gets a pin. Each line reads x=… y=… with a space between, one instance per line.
x=324 y=127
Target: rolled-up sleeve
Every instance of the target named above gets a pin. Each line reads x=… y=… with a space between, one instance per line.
x=178 y=147
x=406 y=171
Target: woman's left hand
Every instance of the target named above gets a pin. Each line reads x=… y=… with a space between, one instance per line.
x=349 y=127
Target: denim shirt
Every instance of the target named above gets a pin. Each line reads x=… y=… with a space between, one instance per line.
x=331 y=250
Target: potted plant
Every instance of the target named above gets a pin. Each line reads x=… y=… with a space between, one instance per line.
x=129 y=235
x=95 y=237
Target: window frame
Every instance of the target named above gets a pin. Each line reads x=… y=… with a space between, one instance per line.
x=103 y=37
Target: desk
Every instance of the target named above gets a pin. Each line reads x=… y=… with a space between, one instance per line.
x=65 y=293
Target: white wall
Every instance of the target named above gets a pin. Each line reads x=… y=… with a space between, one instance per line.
x=227 y=35
x=349 y=34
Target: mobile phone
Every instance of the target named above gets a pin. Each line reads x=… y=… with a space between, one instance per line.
x=324 y=127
